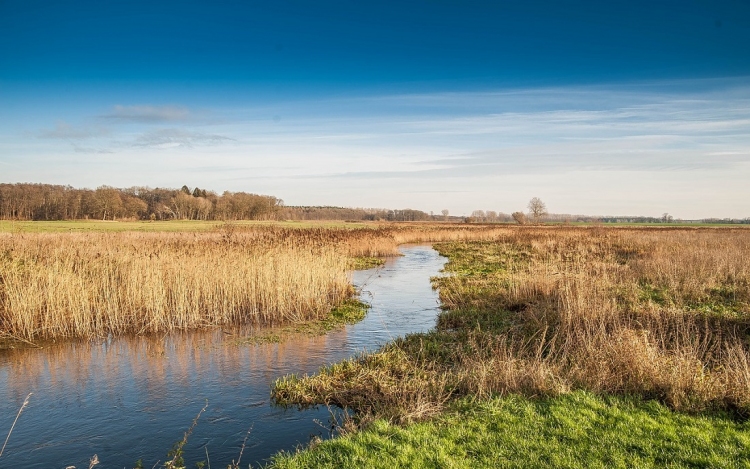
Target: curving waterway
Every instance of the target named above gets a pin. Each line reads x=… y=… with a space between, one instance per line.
x=132 y=398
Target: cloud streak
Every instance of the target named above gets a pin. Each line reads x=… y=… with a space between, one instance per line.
x=172 y=138
x=65 y=131
x=148 y=114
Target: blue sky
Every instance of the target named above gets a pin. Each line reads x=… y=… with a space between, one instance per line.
x=596 y=107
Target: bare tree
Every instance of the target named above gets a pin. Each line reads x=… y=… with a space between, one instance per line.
x=478 y=215
x=537 y=209
x=445 y=213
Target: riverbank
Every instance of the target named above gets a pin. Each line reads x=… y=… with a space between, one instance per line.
x=655 y=315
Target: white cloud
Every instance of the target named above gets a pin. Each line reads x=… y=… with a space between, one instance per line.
x=172 y=138
x=65 y=131
x=148 y=113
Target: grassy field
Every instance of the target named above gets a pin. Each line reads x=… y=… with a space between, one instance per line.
x=174 y=226
x=571 y=431
x=189 y=226
x=659 y=315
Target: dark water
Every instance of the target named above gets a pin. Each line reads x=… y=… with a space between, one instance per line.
x=132 y=398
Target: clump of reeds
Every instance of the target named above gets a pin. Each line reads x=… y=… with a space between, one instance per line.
x=95 y=284
x=664 y=314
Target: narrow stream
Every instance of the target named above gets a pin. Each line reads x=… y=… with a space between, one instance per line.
x=132 y=398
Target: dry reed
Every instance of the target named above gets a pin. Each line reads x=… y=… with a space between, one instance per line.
x=99 y=284
x=664 y=314
x=83 y=285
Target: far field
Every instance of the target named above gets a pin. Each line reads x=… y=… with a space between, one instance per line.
x=77 y=226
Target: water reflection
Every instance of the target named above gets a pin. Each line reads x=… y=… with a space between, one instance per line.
x=133 y=397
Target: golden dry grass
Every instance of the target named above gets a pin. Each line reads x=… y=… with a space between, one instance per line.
x=56 y=285
x=94 y=284
x=663 y=314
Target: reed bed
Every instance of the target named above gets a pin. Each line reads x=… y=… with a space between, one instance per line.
x=658 y=313
x=96 y=284
x=55 y=285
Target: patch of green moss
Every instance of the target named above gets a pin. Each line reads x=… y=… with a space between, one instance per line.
x=365 y=262
x=350 y=311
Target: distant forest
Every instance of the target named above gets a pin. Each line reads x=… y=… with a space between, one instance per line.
x=25 y=201
x=55 y=202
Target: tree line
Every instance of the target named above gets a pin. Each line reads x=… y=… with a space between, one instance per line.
x=25 y=201
x=359 y=214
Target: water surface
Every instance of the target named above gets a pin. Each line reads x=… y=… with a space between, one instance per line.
x=132 y=398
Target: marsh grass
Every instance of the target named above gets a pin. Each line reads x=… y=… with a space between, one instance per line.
x=661 y=314
x=101 y=283
x=97 y=284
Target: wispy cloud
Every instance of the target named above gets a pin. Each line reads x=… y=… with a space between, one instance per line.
x=171 y=138
x=65 y=131
x=148 y=113
x=81 y=149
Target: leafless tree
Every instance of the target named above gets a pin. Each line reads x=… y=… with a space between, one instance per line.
x=537 y=209
x=445 y=213
x=478 y=215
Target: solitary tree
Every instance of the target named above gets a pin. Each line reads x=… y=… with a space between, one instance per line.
x=445 y=213
x=537 y=209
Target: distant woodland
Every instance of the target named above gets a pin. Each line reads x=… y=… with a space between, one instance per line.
x=55 y=202
x=25 y=201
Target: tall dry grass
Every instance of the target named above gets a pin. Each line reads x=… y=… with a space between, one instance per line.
x=83 y=285
x=383 y=240
x=664 y=314
x=660 y=313
x=96 y=284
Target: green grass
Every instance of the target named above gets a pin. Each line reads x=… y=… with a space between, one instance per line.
x=350 y=311
x=364 y=262
x=78 y=226
x=574 y=430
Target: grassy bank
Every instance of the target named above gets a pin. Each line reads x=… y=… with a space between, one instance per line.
x=657 y=314
x=572 y=431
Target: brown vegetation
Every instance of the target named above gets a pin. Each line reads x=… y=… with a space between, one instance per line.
x=663 y=314
x=95 y=284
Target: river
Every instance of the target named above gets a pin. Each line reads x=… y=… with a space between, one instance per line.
x=132 y=398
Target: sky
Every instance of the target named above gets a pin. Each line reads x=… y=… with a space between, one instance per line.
x=599 y=108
